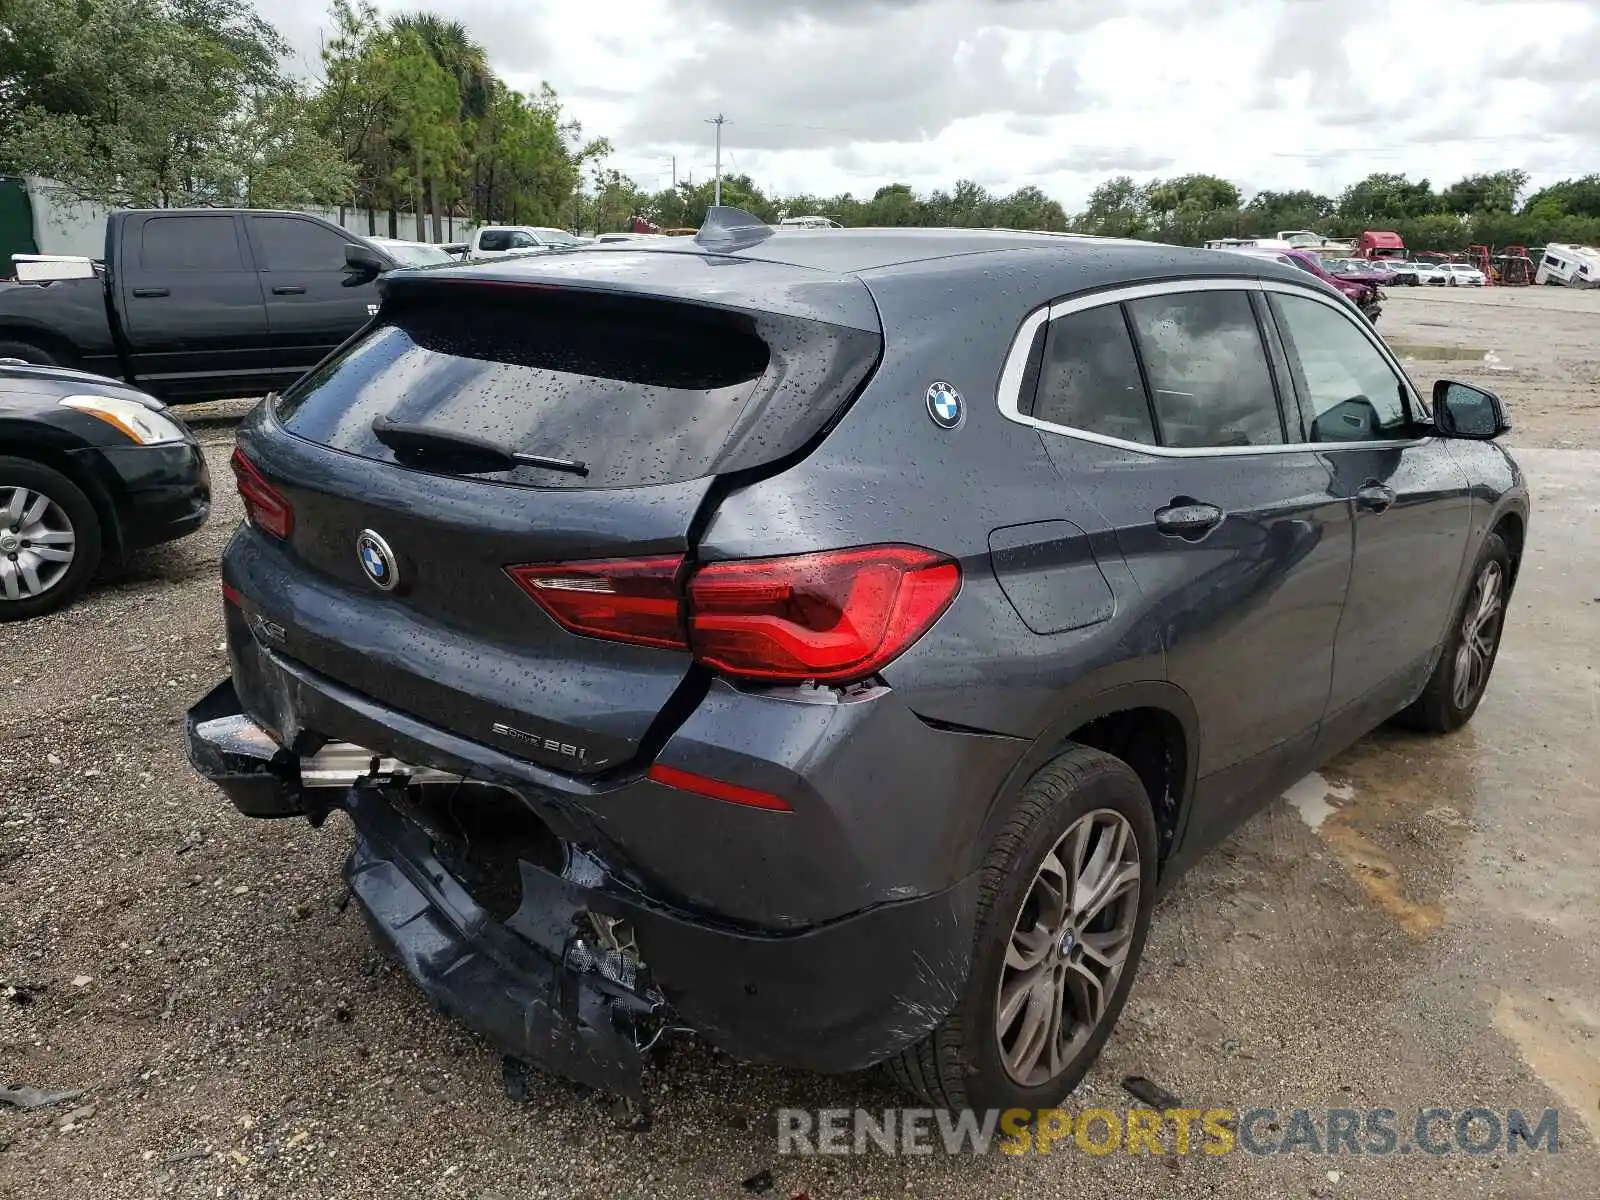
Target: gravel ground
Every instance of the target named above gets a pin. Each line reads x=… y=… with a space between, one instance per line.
x=1539 y=347
x=1415 y=926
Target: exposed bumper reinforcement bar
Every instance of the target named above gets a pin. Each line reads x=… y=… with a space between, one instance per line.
x=576 y=979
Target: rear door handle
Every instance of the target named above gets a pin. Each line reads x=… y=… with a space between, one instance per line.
x=148 y=293
x=1374 y=496
x=1189 y=520
x=288 y=290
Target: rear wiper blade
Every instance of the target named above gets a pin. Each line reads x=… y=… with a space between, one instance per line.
x=461 y=451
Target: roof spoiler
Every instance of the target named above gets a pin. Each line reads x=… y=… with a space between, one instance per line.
x=727 y=229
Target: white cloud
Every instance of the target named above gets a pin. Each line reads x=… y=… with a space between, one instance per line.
x=826 y=96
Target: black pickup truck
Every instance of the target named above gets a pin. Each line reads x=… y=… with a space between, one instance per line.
x=200 y=304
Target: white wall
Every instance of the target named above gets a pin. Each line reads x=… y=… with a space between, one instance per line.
x=62 y=225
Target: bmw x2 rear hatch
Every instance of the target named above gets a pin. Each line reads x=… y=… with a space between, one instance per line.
x=476 y=513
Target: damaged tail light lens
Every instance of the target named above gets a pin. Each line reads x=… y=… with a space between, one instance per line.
x=627 y=600
x=266 y=507
x=831 y=617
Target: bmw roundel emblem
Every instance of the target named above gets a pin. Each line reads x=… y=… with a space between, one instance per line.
x=377 y=560
x=945 y=405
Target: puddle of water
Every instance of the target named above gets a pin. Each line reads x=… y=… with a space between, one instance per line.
x=1557 y=1037
x=1424 y=350
x=1309 y=798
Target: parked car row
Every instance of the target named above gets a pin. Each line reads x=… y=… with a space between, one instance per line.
x=1359 y=288
x=1409 y=273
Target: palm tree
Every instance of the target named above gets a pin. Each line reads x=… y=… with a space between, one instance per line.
x=450 y=46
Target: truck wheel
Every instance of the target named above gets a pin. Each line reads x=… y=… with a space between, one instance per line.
x=29 y=353
x=49 y=539
x=1064 y=904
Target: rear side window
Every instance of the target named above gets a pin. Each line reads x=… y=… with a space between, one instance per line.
x=1207 y=369
x=288 y=244
x=1089 y=377
x=198 y=243
x=643 y=393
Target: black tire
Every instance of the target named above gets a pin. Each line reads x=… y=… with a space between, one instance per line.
x=959 y=1065
x=36 y=477
x=1440 y=709
x=29 y=353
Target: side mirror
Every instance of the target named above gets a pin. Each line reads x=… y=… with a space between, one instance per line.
x=1463 y=411
x=363 y=264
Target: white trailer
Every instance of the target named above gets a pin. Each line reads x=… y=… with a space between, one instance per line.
x=1569 y=266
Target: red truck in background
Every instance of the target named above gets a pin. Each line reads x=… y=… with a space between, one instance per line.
x=1378 y=243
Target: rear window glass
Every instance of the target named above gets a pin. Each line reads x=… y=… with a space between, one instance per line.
x=642 y=393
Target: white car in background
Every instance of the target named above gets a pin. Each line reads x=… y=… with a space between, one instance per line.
x=413 y=254
x=1428 y=274
x=1462 y=275
x=500 y=241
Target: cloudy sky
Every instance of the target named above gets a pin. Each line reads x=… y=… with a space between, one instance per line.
x=845 y=95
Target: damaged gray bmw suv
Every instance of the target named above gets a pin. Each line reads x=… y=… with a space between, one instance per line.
x=831 y=643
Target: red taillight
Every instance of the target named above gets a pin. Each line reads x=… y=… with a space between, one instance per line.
x=688 y=781
x=268 y=509
x=230 y=595
x=832 y=617
x=627 y=600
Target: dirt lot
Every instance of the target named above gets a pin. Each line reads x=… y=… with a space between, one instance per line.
x=1539 y=347
x=1414 y=926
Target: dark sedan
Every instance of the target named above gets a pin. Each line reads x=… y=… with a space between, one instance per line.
x=90 y=469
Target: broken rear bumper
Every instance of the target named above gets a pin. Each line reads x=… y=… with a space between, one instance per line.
x=836 y=997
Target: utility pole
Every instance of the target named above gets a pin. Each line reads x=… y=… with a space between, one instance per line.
x=674 y=172
x=719 y=121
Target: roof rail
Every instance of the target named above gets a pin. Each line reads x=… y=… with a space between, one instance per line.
x=1061 y=233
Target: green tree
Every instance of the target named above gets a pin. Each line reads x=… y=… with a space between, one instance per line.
x=1386 y=198
x=1116 y=209
x=616 y=201
x=454 y=53
x=1495 y=191
x=1030 y=208
x=891 y=205
x=152 y=102
x=354 y=105
x=1270 y=213
x=1579 y=197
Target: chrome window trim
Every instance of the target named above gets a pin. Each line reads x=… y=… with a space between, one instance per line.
x=1016 y=366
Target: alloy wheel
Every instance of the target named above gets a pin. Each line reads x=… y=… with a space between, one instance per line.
x=1068 y=946
x=1480 y=635
x=37 y=543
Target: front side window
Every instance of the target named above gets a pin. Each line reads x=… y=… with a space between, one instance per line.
x=1089 y=377
x=1351 y=391
x=290 y=244
x=1207 y=369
